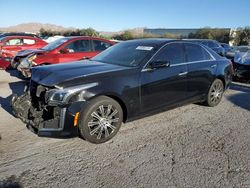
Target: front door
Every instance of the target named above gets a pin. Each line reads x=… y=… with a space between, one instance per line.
x=76 y=50
x=165 y=85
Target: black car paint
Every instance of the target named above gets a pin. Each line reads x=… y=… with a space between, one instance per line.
x=139 y=90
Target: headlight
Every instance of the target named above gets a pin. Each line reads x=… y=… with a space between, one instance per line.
x=62 y=96
x=28 y=61
x=32 y=58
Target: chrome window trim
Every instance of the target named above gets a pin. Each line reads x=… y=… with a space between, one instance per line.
x=191 y=62
x=144 y=69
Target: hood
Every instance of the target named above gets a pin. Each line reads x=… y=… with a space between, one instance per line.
x=24 y=53
x=51 y=75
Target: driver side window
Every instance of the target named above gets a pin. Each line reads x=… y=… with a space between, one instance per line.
x=173 y=53
x=79 y=46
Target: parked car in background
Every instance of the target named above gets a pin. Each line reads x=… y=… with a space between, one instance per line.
x=131 y=79
x=213 y=44
x=18 y=34
x=229 y=50
x=241 y=63
x=227 y=47
x=60 y=51
x=11 y=45
x=51 y=39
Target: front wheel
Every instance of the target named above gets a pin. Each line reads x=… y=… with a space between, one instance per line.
x=215 y=93
x=100 y=120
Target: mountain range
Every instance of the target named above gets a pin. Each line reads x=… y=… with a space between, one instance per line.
x=35 y=28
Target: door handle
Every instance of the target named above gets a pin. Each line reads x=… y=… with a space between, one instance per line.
x=182 y=73
x=213 y=66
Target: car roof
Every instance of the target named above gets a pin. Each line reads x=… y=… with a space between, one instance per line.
x=152 y=41
x=86 y=37
x=200 y=40
x=21 y=36
x=18 y=34
x=75 y=37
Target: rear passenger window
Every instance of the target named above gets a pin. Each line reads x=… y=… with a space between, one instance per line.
x=196 y=53
x=174 y=53
x=29 y=41
x=100 y=45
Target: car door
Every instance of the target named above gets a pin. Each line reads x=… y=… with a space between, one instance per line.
x=11 y=47
x=75 y=50
x=165 y=85
x=28 y=44
x=201 y=69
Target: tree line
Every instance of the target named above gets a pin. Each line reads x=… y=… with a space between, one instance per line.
x=241 y=36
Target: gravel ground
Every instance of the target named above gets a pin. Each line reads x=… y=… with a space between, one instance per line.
x=191 y=146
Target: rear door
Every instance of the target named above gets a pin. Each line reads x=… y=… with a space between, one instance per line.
x=168 y=85
x=201 y=69
x=28 y=44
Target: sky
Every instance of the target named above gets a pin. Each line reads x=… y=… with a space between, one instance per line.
x=115 y=15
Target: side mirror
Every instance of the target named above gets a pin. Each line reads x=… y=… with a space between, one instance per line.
x=159 y=64
x=64 y=51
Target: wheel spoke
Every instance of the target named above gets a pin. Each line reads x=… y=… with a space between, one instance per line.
x=114 y=120
x=93 y=123
x=100 y=133
x=113 y=114
x=106 y=132
x=95 y=130
x=95 y=115
x=212 y=99
x=111 y=126
x=101 y=108
x=108 y=110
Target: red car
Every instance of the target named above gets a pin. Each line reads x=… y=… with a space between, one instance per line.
x=11 y=45
x=62 y=50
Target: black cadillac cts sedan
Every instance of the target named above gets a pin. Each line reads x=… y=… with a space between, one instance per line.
x=132 y=79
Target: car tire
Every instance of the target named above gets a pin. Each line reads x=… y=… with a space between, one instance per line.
x=100 y=120
x=215 y=93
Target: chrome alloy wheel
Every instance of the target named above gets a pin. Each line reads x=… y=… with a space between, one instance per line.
x=103 y=121
x=216 y=92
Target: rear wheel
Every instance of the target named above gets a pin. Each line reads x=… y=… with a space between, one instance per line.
x=215 y=93
x=100 y=120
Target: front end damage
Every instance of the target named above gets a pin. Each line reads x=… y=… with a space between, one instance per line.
x=34 y=110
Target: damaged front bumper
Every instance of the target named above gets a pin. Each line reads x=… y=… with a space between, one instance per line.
x=51 y=121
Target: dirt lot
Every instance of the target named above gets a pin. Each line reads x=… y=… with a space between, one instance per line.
x=191 y=146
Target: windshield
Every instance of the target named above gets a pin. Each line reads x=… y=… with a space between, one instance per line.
x=55 y=44
x=129 y=54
